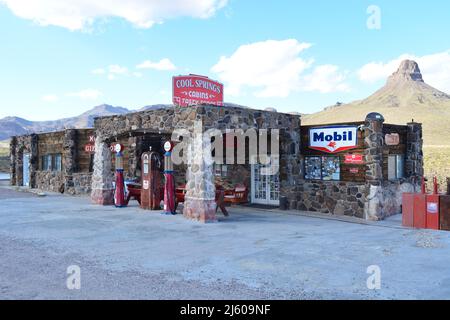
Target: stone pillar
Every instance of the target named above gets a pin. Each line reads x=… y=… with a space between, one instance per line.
x=12 y=161
x=374 y=166
x=102 y=179
x=133 y=156
x=19 y=164
x=200 y=204
x=69 y=165
x=414 y=152
x=34 y=159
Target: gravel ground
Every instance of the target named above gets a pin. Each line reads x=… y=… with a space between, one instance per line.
x=253 y=254
x=31 y=272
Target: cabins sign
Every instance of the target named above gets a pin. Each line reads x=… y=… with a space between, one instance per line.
x=333 y=139
x=193 y=89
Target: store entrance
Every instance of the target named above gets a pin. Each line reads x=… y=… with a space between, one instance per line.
x=265 y=184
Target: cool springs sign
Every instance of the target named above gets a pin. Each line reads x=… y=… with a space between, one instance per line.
x=333 y=139
x=193 y=89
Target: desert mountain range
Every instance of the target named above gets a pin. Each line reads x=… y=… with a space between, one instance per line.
x=406 y=96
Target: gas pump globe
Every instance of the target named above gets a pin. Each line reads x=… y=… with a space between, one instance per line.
x=119 y=191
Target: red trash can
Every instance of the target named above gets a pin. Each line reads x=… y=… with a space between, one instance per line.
x=420 y=211
x=433 y=221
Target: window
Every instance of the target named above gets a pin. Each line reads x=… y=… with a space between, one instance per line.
x=220 y=170
x=47 y=162
x=57 y=165
x=51 y=162
x=331 y=169
x=396 y=167
x=313 y=168
x=322 y=168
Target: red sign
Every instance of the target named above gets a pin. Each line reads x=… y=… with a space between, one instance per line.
x=193 y=89
x=354 y=170
x=89 y=148
x=354 y=159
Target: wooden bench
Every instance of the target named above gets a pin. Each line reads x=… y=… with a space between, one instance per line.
x=238 y=195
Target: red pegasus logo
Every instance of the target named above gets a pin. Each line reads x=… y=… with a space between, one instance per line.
x=332 y=145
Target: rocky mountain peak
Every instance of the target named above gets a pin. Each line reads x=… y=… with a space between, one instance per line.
x=408 y=71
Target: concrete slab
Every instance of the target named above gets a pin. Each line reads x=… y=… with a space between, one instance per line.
x=254 y=254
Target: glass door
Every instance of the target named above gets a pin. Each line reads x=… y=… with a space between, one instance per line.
x=26 y=170
x=266 y=184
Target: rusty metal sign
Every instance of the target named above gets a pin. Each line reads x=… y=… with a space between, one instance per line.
x=392 y=139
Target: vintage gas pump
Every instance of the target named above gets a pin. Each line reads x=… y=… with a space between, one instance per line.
x=151 y=181
x=119 y=191
x=169 y=185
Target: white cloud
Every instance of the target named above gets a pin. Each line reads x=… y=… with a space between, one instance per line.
x=98 y=71
x=275 y=69
x=116 y=69
x=50 y=98
x=112 y=71
x=80 y=14
x=325 y=79
x=87 y=94
x=162 y=65
x=435 y=69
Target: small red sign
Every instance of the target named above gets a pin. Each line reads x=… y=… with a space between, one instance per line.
x=354 y=159
x=89 y=148
x=193 y=89
x=354 y=170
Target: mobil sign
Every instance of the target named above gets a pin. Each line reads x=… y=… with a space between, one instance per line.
x=193 y=89
x=333 y=139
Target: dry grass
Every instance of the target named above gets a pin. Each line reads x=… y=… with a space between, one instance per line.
x=437 y=163
x=4 y=156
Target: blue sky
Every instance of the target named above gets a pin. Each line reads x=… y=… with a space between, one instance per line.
x=292 y=55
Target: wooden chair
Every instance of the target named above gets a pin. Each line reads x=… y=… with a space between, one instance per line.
x=180 y=192
x=238 y=195
x=134 y=191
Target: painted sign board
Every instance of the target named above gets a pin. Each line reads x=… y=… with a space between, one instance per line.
x=392 y=139
x=354 y=159
x=333 y=139
x=89 y=148
x=194 y=89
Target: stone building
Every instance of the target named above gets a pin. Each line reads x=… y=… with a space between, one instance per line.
x=152 y=128
x=55 y=161
x=307 y=179
x=371 y=188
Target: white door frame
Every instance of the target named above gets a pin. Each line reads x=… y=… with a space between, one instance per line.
x=267 y=177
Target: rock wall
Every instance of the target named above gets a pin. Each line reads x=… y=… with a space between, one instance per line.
x=82 y=183
x=384 y=198
x=18 y=146
x=332 y=197
x=50 y=181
